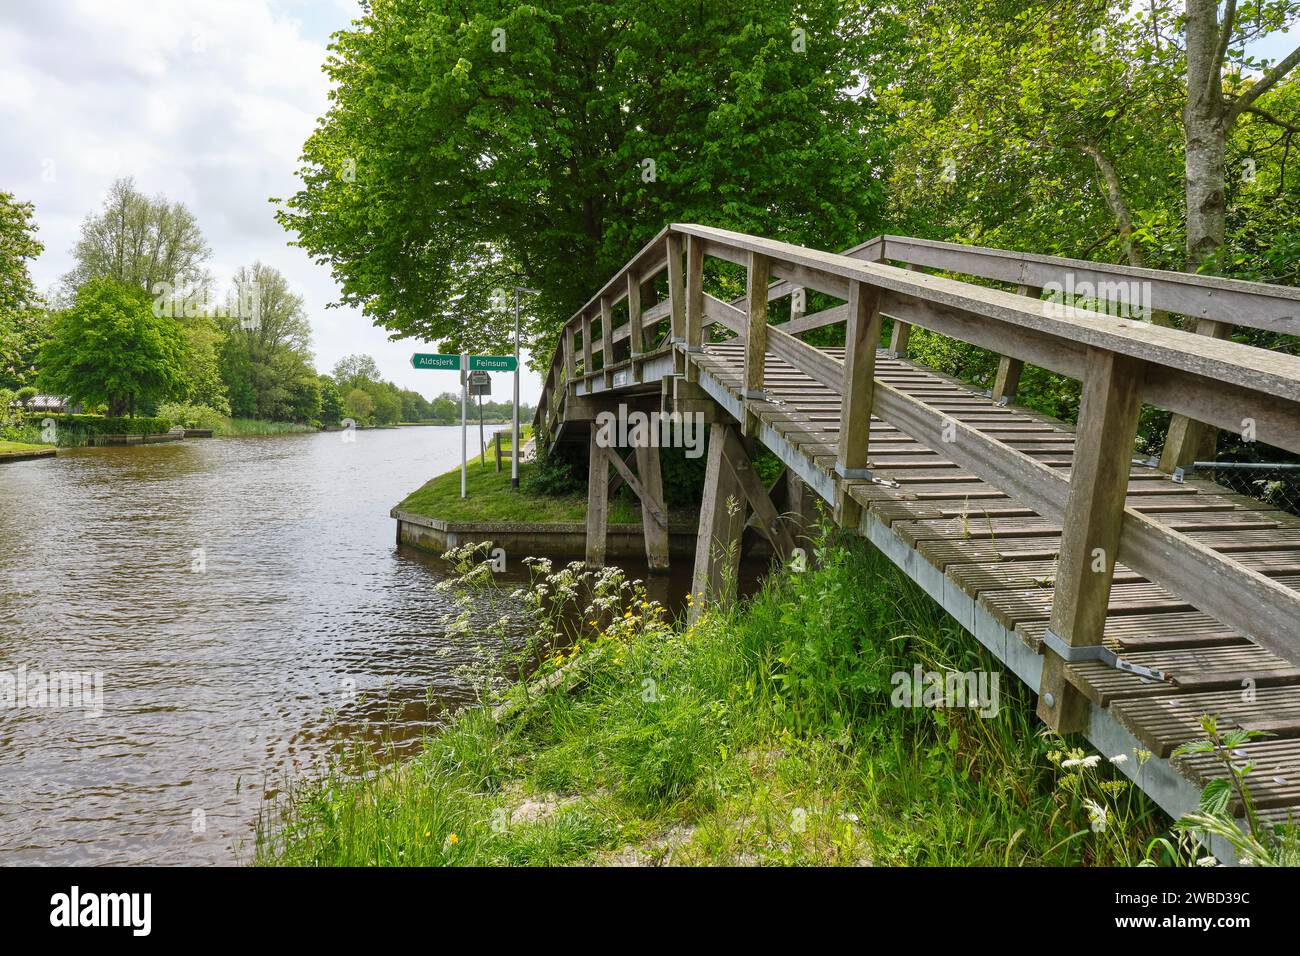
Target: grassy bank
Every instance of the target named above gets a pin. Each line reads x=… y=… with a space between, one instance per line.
x=14 y=448
x=763 y=734
x=490 y=498
x=246 y=427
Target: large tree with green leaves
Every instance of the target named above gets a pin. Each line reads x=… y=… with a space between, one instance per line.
x=21 y=315
x=111 y=348
x=265 y=356
x=474 y=147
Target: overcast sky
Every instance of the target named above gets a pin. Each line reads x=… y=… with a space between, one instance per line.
x=206 y=102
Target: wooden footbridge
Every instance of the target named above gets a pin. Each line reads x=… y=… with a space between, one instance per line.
x=1134 y=599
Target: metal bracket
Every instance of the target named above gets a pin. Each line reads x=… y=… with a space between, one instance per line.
x=1076 y=653
x=1177 y=476
x=755 y=395
x=1004 y=401
x=853 y=474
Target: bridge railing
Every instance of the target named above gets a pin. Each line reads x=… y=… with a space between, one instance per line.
x=1121 y=362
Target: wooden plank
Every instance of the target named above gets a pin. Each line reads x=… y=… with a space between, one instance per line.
x=607 y=340
x=588 y=366
x=676 y=289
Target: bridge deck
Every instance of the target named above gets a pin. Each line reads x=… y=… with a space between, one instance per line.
x=1002 y=555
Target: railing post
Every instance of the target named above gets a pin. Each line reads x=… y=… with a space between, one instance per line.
x=694 y=300
x=606 y=341
x=570 y=359
x=1009 y=369
x=496 y=441
x=1094 y=516
x=1187 y=439
x=902 y=331
x=760 y=269
x=861 y=339
x=635 y=330
x=586 y=348
x=676 y=290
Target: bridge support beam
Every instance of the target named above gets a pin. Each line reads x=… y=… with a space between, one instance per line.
x=597 y=500
x=1188 y=440
x=1009 y=369
x=722 y=522
x=1094 y=515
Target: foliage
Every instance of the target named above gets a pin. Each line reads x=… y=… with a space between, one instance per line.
x=20 y=312
x=110 y=347
x=558 y=471
x=139 y=240
x=192 y=416
x=738 y=106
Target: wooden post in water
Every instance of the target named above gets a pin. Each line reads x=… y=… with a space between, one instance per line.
x=597 y=500
x=1094 y=515
x=656 y=531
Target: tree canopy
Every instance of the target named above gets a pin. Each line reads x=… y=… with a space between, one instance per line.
x=472 y=149
x=111 y=348
x=20 y=313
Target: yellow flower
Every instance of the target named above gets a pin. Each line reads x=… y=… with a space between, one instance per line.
x=627 y=616
x=427 y=834
x=453 y=839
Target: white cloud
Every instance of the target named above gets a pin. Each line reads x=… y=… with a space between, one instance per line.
x=206 y=103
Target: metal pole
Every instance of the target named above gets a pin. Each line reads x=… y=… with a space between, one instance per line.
x=514 y=415
x=464 y=400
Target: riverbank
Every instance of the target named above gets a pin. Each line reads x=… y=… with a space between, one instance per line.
x=767 y=733
x=21 y=451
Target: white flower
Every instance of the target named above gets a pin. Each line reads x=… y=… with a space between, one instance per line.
x=1073 y=762
x=1119 y=758
x=1092 y=760
x=1207 y=861
x=1096 y=815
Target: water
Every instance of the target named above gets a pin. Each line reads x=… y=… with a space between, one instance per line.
x=306 y=622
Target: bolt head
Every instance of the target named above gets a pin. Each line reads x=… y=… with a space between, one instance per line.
x=1049 y=699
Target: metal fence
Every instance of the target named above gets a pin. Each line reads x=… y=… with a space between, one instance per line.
x=1274 y=483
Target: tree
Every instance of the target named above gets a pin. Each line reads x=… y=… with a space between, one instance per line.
x=140 y=240
x=359 y=405
x=203 y=385
x=1214 y=45
x=331 y=402
x=355 y=369
x=22 y=320
x=110 y=347
x=265 y=358
x=468 y=150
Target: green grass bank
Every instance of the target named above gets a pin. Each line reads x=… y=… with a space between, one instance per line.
x=764 y=734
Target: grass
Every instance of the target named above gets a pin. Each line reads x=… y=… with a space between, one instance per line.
x=490 y=498
x=762 y=734
x=19 y=448
x=245 y=427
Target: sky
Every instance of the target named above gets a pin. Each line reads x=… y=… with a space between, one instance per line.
x=207 y=103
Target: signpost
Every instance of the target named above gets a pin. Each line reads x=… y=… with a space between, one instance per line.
x=481 y=365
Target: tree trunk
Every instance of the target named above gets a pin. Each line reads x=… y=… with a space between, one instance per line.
x=1205 y=133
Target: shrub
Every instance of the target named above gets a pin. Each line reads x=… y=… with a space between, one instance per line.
x=191 y=416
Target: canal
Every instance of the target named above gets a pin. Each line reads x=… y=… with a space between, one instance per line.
x=249 y=612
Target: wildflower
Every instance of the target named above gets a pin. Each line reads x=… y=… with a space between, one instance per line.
x=1119 y=759
x=1207 y=861
x=452 y=839
x=1096 y=815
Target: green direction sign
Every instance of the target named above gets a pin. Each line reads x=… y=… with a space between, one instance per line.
x=435 y=361
x=493 y=363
